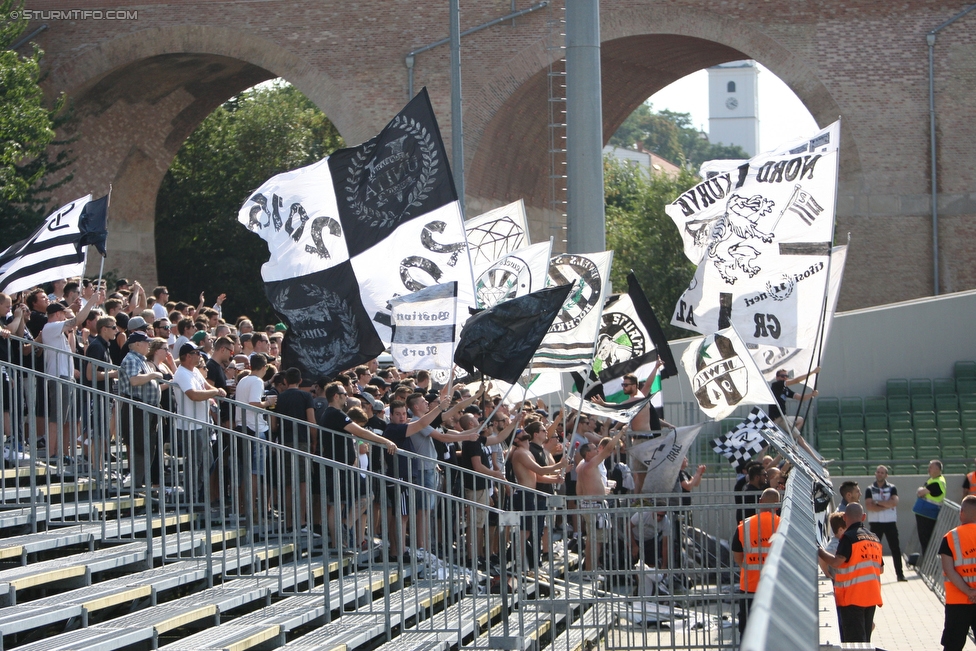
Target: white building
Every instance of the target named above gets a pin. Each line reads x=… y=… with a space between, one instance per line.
x=733 y=105
x=648 y=162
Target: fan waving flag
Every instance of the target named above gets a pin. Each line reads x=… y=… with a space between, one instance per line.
x=724 y=375
x=568 y=346
x=53 y=251
x=350 y=233
x=500 y=341
x=424 y=326
x=745 y=440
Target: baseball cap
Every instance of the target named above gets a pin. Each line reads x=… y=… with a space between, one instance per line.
x=136 y=323
x=136 y=337
x=187 y=349
x=199 y=336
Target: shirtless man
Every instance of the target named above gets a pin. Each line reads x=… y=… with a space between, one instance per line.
x=527 y=474
x=645 y=425
x=591 y=490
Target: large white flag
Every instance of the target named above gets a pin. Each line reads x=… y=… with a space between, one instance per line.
x=496 y=233
x=801 y=359
x=514 y=274
x=761 y=234
x=425 y=328
x=568 y=346
x=354 y=231
x=50 y=253
x=723 y=374
x=663 y=456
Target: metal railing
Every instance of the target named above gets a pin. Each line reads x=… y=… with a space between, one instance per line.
x=929 y=565
x=651 y=572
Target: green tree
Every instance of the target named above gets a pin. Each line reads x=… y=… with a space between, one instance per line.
x=672 y=136
x=30 y=153
x=644 y=238
x=200 y=245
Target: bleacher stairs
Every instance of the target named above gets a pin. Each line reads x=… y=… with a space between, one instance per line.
x=76 y=573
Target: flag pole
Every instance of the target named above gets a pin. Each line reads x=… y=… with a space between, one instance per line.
x=101 y=266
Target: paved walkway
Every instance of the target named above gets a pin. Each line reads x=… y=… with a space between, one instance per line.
x=910 y=620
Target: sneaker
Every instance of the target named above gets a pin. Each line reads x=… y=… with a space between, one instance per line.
x=902 y=578
x=305 y=530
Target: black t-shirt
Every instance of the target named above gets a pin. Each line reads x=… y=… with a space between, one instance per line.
x=397 y=468
x=217 y=376
x=750 y=495
x=944 y=547
x=470 y=449
x=539 y=454
x=781 y=392
x=98 y=351
x=337 y=447
x=294 y=403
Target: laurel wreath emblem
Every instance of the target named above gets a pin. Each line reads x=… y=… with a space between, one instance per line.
x=324 y=357
x=425 y=181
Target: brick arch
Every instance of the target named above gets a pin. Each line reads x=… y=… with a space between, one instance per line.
x=129 y=130
x=643 y=50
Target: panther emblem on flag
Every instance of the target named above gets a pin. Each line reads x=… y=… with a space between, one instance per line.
x=620 y=340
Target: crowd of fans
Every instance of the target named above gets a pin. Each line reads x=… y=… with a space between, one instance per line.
x=193 y=360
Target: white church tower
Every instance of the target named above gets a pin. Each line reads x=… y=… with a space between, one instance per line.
x=733 y=105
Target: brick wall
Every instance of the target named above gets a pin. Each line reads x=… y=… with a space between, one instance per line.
x=142 y=85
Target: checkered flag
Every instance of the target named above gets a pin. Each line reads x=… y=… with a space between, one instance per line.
x=745 y=439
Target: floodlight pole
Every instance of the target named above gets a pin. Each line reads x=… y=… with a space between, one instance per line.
x=585 y=216
x=457 y=126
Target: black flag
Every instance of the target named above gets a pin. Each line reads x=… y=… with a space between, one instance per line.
x=646 y=314
x=501 y=341
x=92 y=224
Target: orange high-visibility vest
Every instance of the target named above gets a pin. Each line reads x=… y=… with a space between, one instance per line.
x=755 y=532
x=962 y=542
x=858 y=581
x=972 y=482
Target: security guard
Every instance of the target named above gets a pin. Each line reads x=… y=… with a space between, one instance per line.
x=931 y=495
x=857 y=584
x=969 y=484
x=750 y=545
x=958 y=555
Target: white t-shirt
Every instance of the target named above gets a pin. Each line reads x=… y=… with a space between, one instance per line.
x=56 y=363
x=159 y=311
x=187 y=380
x=251 y=389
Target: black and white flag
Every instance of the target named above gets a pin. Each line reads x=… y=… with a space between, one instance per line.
x=425 y=328
x=745 y=440
x=352 y=232
x=497 y=233
x=55 y=250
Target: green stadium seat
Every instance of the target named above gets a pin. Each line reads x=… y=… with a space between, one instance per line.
x=853 y=438
x=902 y=437
x=967 y=403
x=947 y=419
x=928 y=437
x=852 y=422
x=921 y=386
x=969 y=434
x=876 y=421
x=943 y=385
x=899 y=404
x=951 y=436
x=877 y=405
x=831 y=440
x=923 y=403
x=851 y=407
x=903 y=452
x=966 y=386
x=965 y=369
x=904 y=469
x=946 y=402
x=828 y=422
x=877 y=437
x=954 y=452
x=928 y=452
x=896 y=388
x=955 y=468
x=832 y=405
x=900 y=420
x=852 y=453
x=924 y=419
x=880 y=454
x=857 y=470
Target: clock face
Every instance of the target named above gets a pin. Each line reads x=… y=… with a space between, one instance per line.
x=731 y=103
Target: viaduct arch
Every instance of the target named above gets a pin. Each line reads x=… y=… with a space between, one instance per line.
x=141 y=86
